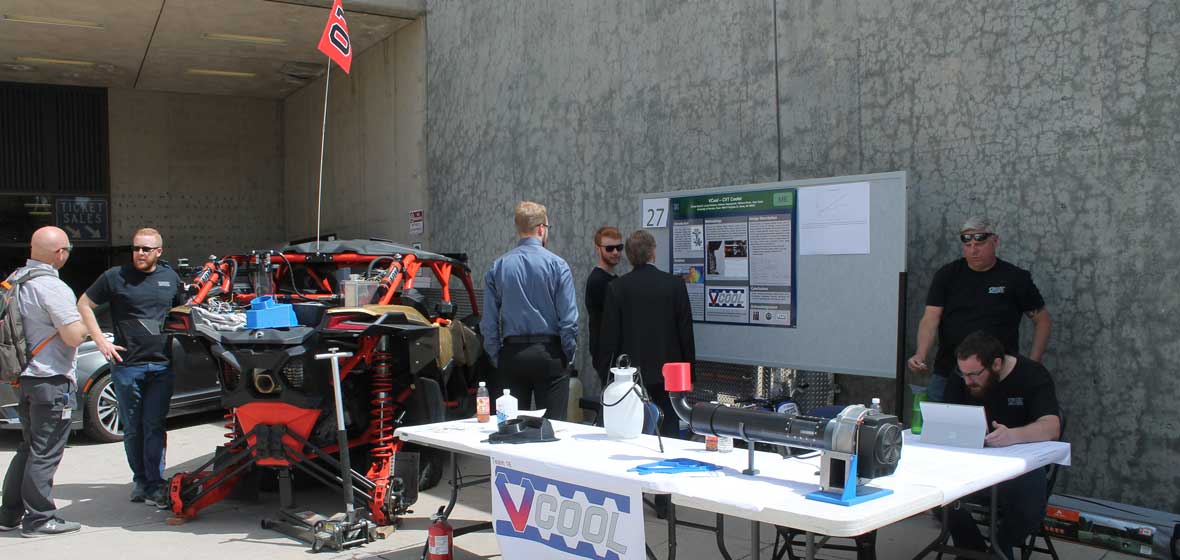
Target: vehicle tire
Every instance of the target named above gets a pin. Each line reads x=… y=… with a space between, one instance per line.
x=101 y=421
x=425 y=406
x=431 y=463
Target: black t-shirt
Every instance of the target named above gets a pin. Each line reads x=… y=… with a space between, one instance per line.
x=992 y=301
x=139 y=303
x=595 y=297
x=1018 y=400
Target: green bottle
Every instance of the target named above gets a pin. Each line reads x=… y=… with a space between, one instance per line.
x=916 y=415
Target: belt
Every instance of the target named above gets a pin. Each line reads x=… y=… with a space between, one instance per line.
x=532 y=339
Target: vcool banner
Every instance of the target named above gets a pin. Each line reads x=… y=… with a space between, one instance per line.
x=540 y=512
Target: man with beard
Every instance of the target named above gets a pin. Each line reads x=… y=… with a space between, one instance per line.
x=530 y=320
x=140 y=295
x=608 y=245
x=1019 y=398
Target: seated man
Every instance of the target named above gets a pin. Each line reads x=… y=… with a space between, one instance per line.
x=1021 y=405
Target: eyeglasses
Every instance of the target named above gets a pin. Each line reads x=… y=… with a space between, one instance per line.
x=67 y=249
x=612 y=248
x=972 y=374
x=142 y=249
x=546 y=226
x=969 y=237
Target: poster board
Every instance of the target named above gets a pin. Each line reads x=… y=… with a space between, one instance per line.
x=845 y=305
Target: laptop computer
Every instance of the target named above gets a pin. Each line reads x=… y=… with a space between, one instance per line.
x=954 y=425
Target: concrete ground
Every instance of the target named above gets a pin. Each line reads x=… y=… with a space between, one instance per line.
x=93 y=484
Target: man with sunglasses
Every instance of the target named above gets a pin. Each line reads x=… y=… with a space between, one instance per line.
x=977 y=292
x=1020 y=401
x=530 y=320
x=48 y=387
x=140 y=295
x=608 y=245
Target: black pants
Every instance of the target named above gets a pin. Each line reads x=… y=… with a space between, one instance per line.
x=536 y=370
x=29 y=482
x=1021 y=508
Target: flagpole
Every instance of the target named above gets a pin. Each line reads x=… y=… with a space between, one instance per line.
x=320 y=189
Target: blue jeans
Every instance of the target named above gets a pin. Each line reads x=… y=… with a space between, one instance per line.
x=936 y=389
x=144 y=392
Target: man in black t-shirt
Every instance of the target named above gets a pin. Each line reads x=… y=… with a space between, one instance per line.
x=1020 y=401
x=140 y=295
x=977 y=292
x=608 y=245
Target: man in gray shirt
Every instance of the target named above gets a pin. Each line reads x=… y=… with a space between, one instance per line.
x=48 y=388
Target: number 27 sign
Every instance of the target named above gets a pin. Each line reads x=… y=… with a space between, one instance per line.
x=655 y=213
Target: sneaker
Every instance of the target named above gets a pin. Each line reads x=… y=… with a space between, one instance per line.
x=158 y=498
x=9 y=522
x=138 y=494
x=55 y=526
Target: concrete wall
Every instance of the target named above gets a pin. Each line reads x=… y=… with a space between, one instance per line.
x=375 y=149
x=1059 y=118
x=204 y=170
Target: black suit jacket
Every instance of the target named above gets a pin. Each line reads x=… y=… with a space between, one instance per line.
x=646 y=316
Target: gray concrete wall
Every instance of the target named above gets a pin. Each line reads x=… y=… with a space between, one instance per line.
x=1058 y=117
x=581 y=106
x=204 y=170
x=375 y=151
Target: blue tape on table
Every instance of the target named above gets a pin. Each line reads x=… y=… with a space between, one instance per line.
x=673 y=466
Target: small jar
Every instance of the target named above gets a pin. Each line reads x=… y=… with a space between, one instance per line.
x=711 y=443
x=724 y=444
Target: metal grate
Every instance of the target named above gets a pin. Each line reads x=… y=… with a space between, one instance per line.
x=732 y=383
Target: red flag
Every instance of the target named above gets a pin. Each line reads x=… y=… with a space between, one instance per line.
x=335 y=42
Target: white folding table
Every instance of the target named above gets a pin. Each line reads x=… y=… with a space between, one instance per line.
x=926 y=477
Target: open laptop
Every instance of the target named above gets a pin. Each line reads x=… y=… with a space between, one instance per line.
x=955 y=425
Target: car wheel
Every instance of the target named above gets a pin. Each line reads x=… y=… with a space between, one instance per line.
x=102 y=422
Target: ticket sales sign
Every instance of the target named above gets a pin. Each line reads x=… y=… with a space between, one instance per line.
x=83 y=218
x=540 y=512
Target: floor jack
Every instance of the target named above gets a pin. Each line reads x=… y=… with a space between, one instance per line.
x=340 y=531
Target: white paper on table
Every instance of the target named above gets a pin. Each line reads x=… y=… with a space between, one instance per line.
x=834 y=219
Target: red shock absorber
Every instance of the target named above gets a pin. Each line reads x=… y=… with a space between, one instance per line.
x=381 y=407
x=231 y=428
x=381 y=425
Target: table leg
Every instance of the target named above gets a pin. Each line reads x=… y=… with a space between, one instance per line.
x=671 y=529
x=755 y=539
x=810 y=551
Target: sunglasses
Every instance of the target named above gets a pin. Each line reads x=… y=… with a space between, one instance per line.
x=612 y=248
x=142 y=249
x=67 y=248
x=969 y=237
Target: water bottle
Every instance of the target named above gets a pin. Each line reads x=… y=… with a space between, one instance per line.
x=876 y=404
x=622 y=410
x=505 y=407
x=483 y=403
x=916 y=413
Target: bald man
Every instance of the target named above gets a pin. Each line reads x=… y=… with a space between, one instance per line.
x=48 y=387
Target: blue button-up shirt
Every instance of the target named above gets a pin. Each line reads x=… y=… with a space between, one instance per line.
x=529 y=291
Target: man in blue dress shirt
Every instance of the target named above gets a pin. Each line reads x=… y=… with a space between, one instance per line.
x=530 y=321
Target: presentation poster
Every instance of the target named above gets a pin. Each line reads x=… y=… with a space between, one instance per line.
x=736 y=253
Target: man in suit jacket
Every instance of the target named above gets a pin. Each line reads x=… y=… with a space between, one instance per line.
x=647 y=316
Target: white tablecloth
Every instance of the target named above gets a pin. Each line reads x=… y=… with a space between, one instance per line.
x=927 y=476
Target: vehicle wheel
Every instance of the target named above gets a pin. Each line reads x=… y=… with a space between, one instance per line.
x=431 y=463
x=102 y=422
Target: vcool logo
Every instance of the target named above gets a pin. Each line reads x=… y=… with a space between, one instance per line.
x=719 y=297
x=567 y=517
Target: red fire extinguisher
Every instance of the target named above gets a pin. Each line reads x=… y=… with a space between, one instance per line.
x=439 y=537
